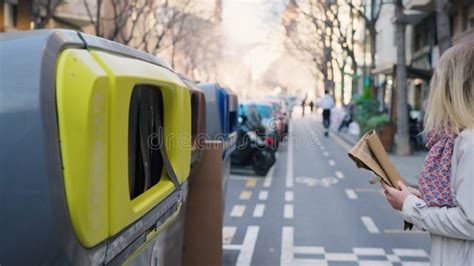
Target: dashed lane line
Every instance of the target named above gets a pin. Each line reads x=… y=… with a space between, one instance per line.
x=331 y=162
x=326 y=153
x=289 y=164
x=288 y=211
x=370 y=225
x=289 y=196
x=267 y=182
x=339 y=174
x=251 y=182
x=245 y=195
x=258 y=211
x=263 y=195
x=228 y=233
x=351 y=194
x=237 y=211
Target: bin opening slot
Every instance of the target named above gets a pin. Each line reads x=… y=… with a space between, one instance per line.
x=145 y=163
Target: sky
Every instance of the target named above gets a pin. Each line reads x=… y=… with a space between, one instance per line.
x=253 y=35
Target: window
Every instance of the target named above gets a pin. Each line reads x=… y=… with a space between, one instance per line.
x=425 y=33
x=145 y=163
x=264 y=110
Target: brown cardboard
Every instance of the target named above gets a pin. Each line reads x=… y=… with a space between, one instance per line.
x=204 y=210
x=370 y=154
x=378 y=150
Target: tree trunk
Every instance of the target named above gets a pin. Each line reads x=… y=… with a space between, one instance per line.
x=402 y=137
x=443 y=25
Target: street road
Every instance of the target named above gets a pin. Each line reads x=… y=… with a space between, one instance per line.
x=314 y=208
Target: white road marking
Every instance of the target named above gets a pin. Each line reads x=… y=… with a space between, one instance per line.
x=245 y=195
x=263 y=195
x=403 y=252
x=331 y=162
x=326 y=153
x=326 y=181
x=378 y=255
x=309 y=262
x=288 y=211
x=308 y=250
x=339 y=174
x=370 y=225
x=251 y=182
x=393 y=258
x=237 y=211
x=369 y=251
x=351 y=194
x=289 y=196
x=228 y=233
x=289 y=161
x=341 y=256
x=286 y=258
x=258 y=211
x=267 y=182
x=374 y=263
x=232 y=247
x=248 y=246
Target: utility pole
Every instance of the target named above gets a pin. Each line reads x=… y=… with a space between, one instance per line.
x=402 y=137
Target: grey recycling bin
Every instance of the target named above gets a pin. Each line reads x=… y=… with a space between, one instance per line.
x=72 y=183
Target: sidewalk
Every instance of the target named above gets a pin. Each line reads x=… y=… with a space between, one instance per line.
x=408 y=166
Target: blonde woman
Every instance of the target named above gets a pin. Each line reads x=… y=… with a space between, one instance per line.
x=444 y=204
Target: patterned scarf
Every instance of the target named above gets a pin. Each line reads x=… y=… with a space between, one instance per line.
x=435 y=177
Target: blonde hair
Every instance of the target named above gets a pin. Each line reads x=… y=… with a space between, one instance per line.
x=451 y=96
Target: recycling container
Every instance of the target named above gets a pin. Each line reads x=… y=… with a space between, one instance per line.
x=95 y=152
x=198 y=121
x=205 y=205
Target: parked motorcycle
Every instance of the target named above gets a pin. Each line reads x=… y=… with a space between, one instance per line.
x=252 y=149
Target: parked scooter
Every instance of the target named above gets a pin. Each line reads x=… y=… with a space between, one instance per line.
x=252 y=149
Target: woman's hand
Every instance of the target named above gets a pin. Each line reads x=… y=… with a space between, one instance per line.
x=396 y=197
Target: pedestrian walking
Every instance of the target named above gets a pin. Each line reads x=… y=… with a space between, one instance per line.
x=326 y=103
x=444 y=203
x=303 y=104
x=311 y=106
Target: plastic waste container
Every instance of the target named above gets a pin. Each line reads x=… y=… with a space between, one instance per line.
x=205 y=205
x=93 y=168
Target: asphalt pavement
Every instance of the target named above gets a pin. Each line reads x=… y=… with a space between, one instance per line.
x=314 y=208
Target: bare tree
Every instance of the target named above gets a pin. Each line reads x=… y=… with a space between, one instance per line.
x=118 y=20
x=320 y=34
x=402 y=137
x=344 y=44
x=43 y=11
x=310 y=33
x=370 y=24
